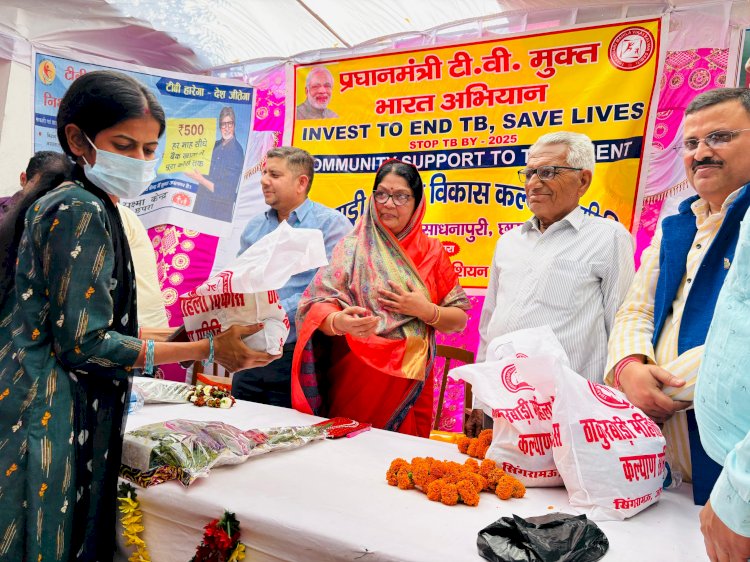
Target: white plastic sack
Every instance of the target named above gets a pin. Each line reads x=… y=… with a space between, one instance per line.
x=531 y=342
x=522 y=435
x=610 y=455
x=245 y=292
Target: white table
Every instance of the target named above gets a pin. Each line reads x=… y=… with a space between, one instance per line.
x=329 y=501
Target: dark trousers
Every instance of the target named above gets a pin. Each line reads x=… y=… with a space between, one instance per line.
x=705 y=471
x=271 y=384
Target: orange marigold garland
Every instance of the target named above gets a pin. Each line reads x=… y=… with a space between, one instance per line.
x=475 y=447
x=451 y=482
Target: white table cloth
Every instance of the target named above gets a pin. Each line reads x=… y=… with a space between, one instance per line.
x=329 y=501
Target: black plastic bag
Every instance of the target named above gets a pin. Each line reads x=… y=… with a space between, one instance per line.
x=555 y=537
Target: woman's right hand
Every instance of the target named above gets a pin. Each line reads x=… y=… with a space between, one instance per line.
x=355 y=321
x=231 y=352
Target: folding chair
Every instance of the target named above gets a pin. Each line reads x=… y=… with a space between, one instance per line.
x=450 y=353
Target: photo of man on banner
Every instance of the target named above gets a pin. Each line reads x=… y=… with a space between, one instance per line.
x=217 y=191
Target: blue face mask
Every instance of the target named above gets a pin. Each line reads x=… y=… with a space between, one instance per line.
x=119 y=175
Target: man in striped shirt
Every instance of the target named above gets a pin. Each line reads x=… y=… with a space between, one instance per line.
x=562 y=267
x=657 y=343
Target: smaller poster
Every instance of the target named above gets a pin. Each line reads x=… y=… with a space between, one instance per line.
x=201 y=154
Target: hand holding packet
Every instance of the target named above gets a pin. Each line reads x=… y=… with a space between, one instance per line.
x=245 y=292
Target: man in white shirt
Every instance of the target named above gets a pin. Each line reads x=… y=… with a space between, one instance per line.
x=562 y=267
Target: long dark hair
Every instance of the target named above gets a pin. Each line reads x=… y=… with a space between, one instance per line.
x=101 y=99
x=406 y=171
x=95 y=101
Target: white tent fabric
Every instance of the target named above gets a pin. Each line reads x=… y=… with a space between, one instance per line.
x=242 y=37
x=193 y=35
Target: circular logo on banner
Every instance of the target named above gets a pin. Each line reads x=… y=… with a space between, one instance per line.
x=631 y=48
x=46 y=72
x=182 y=199
x=607 y=396
x=510 y=382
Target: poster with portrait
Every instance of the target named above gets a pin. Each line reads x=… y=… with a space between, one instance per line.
x=201 y=154
x=466 y=114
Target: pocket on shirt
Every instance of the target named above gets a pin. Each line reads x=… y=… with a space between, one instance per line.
x=564 y=285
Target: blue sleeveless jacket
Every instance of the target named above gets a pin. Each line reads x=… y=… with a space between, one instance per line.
x=678 y=234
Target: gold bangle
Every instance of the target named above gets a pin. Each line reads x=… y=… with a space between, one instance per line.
x=436 y=318
x=333 y=318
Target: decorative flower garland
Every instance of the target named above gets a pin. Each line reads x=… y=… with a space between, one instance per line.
x=211 y=396
x=132 y=522
x=475 y=447
x=220 y=543
x=450 y=482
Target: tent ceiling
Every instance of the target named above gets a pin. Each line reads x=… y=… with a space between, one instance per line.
x=230 y=31
x=191 y=35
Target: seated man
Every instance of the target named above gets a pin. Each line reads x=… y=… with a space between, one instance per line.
x=562 y=267
x=659 y=332
x=286 y=182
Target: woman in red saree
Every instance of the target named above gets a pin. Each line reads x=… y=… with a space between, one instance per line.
x=367 y=322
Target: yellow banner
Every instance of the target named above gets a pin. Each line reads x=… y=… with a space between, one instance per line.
x=465 y=116
x=188 y=145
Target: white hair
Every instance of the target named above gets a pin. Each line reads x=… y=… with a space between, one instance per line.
x=580 y=148
x=317 y=70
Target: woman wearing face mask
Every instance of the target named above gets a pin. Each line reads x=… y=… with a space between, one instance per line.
x=68 y=334
x=386 y=291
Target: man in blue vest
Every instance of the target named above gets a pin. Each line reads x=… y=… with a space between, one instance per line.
x=656 y=346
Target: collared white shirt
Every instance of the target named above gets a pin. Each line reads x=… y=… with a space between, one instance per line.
x=572 y=277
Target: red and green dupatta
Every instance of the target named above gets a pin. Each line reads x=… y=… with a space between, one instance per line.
x=382 y=376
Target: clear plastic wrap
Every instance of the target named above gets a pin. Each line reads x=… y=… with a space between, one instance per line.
x=160 y=391
x=136 y=400
x=186 y=450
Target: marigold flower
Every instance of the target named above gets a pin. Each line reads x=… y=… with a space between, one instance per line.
x=453 y=467
x=504 y=489
x=494 y=477
x=472 y=450
x=485 y=437
x=438 y=469
x=467 y=492
x=451 y=478
x=404 y=479
x=519 y=490
x=420 y=473
x=481 y=450
x=487 y=466
x=479 y=482
x=391 y=475
x=471 y=465
x=449 y=494
x=463 y=444
x=434 y=489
